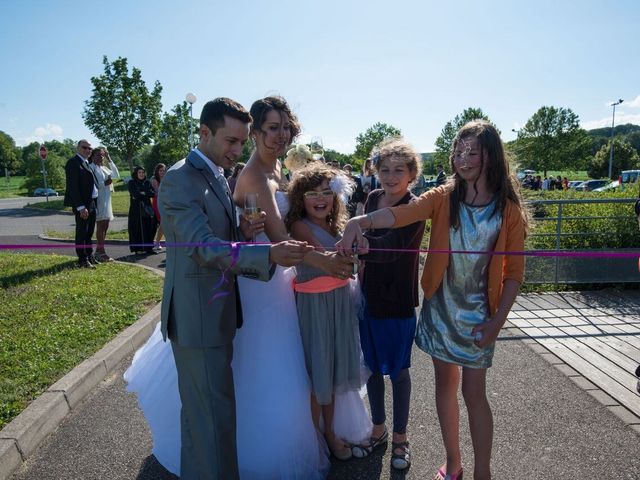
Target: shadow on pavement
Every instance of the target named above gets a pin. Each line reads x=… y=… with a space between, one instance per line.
x=152 y=470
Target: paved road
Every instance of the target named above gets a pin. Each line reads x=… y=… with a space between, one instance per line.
x=546 y=427
x=17 y=220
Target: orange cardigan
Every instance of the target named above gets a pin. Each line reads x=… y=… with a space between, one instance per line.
x=434 y=204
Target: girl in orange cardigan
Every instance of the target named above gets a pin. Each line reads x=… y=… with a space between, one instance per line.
x=467 y=296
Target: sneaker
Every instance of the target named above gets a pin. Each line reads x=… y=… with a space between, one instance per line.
x=92 y=259
x=103 y=257
x=86 y=264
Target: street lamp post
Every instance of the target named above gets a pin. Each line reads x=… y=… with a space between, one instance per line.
x=613 y=121
x=191 y=99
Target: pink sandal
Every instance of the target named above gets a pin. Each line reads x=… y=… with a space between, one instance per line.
x=442 y=474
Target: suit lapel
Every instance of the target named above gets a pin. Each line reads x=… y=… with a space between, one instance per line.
x=198 y=163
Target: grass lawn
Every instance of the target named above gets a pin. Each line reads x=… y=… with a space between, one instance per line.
x=53 y=316
x=13 y=188
x=119 y=202
x=111 y=235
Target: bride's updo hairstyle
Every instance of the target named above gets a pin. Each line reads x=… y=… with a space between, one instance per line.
x=305 y=180
x=261 y=107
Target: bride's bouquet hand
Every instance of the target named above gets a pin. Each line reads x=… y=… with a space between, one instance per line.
x=250 y=226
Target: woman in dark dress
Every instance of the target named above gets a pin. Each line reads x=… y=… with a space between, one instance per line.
x=142 y=221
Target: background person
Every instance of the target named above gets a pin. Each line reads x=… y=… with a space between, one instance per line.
x=234 y=176
x=80 y=194
x=104 y=213
x=142 y=219
x=158 y=173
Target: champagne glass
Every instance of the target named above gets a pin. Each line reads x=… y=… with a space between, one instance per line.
x=316 y=148
x=251 y=209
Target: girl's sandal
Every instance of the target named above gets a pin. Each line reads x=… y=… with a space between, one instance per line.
x=442 y=474
x=400 y=461
x=362 y=451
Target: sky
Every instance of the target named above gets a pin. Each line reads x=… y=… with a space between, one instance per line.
x=342 y=65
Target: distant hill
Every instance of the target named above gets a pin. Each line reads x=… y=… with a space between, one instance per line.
x=617 y=130
x=628 y=132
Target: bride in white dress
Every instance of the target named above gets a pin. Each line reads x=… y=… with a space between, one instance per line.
x=276 y=437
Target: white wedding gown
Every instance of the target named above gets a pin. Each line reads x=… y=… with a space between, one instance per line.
x=276 y=437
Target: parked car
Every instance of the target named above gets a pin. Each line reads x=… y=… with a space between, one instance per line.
x=574 y=183
x=520 y=175
x=612 y=186
x=45 y=192
x=591 y=185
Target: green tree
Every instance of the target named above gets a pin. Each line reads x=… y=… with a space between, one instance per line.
x=57 y=156
x=553 y=140
x=625 y=157
x=9 y=154
x=122 y=112
x=331 y=155
x=444 y=142
x=177 y=134
x=365 y=142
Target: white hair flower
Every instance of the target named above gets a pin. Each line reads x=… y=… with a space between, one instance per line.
x=298 y=157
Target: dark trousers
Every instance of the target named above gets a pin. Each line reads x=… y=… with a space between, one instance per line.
x=208 y=415
x=84 y=232
x=401 y=385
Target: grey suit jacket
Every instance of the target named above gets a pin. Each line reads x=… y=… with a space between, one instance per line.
x=199 y=306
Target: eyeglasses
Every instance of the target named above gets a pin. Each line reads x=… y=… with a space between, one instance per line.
x=84 y=147
x=314 y=194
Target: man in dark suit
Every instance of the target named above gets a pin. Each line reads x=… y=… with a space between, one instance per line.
x=201 y=307
x=80 y=194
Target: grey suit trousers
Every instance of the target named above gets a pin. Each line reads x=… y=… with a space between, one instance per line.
x=205 y=381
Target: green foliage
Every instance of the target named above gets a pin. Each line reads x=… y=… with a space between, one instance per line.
x=9 y=154
x=606 y=226
x=625 y=157
x=57 y=156
x=53 y=316
x=444 y=142
x=178 y=128
x=365 y=142
x=331 y=155
x=552 y=139
x=122 y=112
x=119 y=201
x=13 y=188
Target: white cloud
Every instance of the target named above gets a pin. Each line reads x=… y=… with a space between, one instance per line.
x=635 y=103
x=50 y=131
x=622 y=118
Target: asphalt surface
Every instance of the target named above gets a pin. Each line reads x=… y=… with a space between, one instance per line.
x=545 y=425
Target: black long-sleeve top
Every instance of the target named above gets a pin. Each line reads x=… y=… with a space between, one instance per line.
x=390 y=279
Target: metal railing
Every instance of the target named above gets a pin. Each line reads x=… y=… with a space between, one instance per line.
x=568 y=225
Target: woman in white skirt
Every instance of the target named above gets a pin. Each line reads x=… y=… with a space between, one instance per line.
x=104 y=181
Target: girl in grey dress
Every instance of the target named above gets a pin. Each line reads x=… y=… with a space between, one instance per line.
x=326 y=310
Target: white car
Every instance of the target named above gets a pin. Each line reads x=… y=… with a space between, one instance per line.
x=612 y=186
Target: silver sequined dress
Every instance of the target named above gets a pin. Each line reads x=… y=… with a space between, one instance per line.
x=461 y=302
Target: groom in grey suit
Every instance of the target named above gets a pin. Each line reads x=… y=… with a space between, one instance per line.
x=201 y=307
